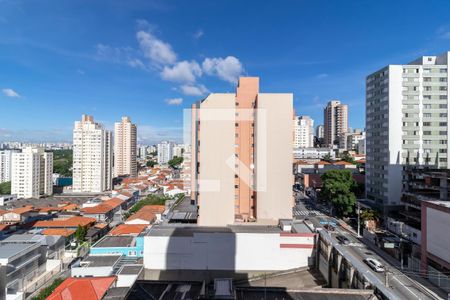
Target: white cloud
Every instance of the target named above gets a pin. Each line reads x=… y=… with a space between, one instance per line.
x=183 y=71
x=174 y=101
x=194 y=90
x=136 y=63
x=443 y=32
x=227 y=69
x=158 y=51
x=10 y=93
x=198 y=34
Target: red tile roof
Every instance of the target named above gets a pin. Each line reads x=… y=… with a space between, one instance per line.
x=22 y=210
x=124 y=229
x=341 y=162
x=88 y=288
x=322 y=162
x=104 y=207
x=58 y=231
x=65 y=223
x=147 y=213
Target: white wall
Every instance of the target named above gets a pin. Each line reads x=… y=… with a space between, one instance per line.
x=438 y=234
x=226 y=251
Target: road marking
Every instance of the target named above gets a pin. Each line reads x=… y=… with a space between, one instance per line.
x=401 y=283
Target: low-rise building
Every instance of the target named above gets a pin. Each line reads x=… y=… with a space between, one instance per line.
x=313 y=153
x=107 y=211
x=146 y=215
x=66 y=223
x=93 y=288
x=126 y=245
x=96 y=266
x=5 y=199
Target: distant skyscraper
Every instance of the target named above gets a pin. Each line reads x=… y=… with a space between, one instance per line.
x=165 y=152
x=92 y=157
x=31 y=173
x=407 y=119
x=125 y=148
x=303 y=132
x=320 y=131
x=241 y=160
x=5 y=165
x=336 y=122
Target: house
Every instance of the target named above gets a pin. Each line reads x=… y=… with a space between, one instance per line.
x=107 y=211
x=146 y=215
x=127 y=245
x=24 y=214
x=67 y=223
x=89 y=288
x=53 y=245
x=96 y=266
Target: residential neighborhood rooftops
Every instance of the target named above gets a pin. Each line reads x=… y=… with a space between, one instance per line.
x=87 y=288
x=8 y=250
x=65 y=222
x=147 y=213
x=100 y=260
x=103 y=207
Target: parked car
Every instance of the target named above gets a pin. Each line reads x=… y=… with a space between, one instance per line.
x=374 y=264
x=328 y=227
x=342 y=239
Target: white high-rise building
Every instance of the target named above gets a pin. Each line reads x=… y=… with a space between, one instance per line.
x=125 y=148
x=92 y=157
x=178 y=150
x=350 y=140
x=407 y=117
x=31 y=173
x=320 y=132
x=335 y=122
x=143 y=152
x=303 y=132
x=165 y=152
x=6 y=165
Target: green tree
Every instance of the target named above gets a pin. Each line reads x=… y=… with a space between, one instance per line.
x=152 y=199
x=151 y=163
x=44 y=293
x=80 y=233
x=327 y=157
x=369 y=215
x=175 y=162
x=338 y=187
x=62 y=162
x=348 y=158
x=5 y=188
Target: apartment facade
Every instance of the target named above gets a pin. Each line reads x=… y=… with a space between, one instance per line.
x=165 y=152
x=125 y=148
x=31 y=173
x=6 y=165
x=320 y=131
x=406 y=123
x=335 y=122
x=92 y=157
x=303 y=132
x=350 y=140
x=241 y=156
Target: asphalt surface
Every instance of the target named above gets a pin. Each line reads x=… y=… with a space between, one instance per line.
x=399 y=285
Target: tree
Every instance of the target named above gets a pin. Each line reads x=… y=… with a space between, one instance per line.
x=151 y=163
x=369 y=215
x=175 y=162
x=5 y=188
x=44 y=293
x=80 y=233
x=327 y=157
x=348 y=158
x=338 y=187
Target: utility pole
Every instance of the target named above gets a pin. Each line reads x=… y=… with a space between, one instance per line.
x=359 y=222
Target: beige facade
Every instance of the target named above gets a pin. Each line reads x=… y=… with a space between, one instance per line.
x=233 y=136
x=125 y=148
x=335 y=122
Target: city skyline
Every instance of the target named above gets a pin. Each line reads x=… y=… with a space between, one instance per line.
x=138 y=55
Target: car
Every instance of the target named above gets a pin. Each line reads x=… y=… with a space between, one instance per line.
x=328 y=227
x=374 y=264
x=342 y=239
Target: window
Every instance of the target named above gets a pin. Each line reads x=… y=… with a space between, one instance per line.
x=427 y=88
x=443 y=97
x=236 y=125
x=442 y=159
x=442 y=123
x=427 y=106
x=443 y=142
x=442 y=70
x=442 y=150
x=442 y=88
x=427 y=97
x=443 y=115
x=427 y=115
x=426 y=123
x=427 y=133
x=443 y=79
x=236 y=186
x=427 y=79
x=442 y=105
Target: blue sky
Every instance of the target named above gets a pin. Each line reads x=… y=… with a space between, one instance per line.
x=150 y=59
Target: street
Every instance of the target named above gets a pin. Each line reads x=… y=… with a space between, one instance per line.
x=402 y=286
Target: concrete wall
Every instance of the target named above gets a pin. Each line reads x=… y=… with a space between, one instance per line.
x=236 y=252
x=216 y=158
x=437 y=233
x=274 y=158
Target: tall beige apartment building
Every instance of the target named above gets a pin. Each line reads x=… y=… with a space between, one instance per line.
x=92 y=157
x=335 y=116
x=125 y=148
x=241 y=160
x=31 y=173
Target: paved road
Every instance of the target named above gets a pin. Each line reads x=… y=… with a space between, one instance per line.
x=401 y=286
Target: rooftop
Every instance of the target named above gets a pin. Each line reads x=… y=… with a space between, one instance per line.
x=100 y=260
x=65 y=223
x=189 y=230
x=10 y=249
x=88 y=288
x=115 y=241
x=124 y=229
x=58 y=231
